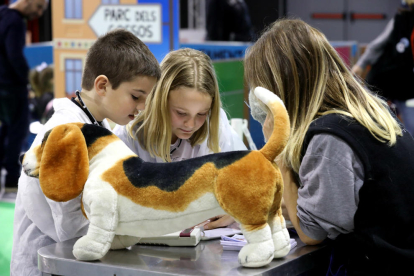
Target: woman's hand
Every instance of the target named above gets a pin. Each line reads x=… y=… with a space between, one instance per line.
x=219 y=221
x=268 y=126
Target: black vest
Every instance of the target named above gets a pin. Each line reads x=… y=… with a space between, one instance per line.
x=383 y=239
x=393 y=72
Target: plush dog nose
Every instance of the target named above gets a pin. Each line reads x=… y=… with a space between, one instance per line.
x=21 y=158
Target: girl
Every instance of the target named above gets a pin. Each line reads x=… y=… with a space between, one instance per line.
x=348 y=164
x=41 y=81
x=182 y=118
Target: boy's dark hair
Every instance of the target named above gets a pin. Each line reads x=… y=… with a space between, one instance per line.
x=120 y=56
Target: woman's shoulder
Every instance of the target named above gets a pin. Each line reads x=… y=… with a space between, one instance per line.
x=328 y=141
x=331 y=147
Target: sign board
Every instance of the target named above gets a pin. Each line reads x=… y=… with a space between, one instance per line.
x=144 y=21
x=220 y=50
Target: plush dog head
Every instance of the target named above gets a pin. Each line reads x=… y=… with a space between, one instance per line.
x=60 y=162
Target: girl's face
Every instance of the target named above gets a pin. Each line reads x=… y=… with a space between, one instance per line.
x=189 y=109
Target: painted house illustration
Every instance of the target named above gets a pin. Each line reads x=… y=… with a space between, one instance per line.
x=77 y=24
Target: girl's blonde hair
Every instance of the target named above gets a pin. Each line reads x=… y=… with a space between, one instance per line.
x=297 y=63
x=181 y=68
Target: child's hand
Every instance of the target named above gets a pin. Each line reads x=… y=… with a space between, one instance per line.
x=219 y=221
x=268 y=126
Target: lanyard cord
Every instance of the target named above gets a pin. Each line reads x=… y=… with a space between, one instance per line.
x=174 y=149
x=85 y=109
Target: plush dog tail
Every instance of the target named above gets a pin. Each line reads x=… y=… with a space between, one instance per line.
x=281 y=129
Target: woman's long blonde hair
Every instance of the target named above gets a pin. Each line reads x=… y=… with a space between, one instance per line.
x=181 y=68
x=297 y=63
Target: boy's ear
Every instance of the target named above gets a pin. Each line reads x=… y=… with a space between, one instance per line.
x=101 y=83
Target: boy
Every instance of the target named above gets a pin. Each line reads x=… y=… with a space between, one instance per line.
x=119 y=73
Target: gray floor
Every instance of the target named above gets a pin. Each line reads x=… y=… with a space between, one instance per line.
x=5 y=197
x=8 y=197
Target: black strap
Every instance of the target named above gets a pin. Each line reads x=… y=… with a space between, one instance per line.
x=174 y=149
x=93 y=120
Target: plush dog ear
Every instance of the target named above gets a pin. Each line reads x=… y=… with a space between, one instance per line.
x=64 y=166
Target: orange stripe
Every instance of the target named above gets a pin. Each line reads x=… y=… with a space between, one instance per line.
x=368 y=16
x=328 y=15
x=412 y=42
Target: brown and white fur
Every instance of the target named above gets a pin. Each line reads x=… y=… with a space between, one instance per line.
x=124 y=197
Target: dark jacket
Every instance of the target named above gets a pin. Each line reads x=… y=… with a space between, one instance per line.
x=14 y=70
x=393 y=73
x=228 y=20
x=383 y=239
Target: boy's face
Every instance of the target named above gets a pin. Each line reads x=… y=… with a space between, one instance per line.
x=123 y=103
x=189 y=109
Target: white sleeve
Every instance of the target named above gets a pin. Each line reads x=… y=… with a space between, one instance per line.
x=229 y=140
x=68 y=218
x=375 y=48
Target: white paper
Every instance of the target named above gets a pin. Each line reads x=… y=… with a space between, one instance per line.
x=217 y=233
x=236 y=242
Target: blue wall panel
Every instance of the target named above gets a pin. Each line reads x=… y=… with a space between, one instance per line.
x=38 y=53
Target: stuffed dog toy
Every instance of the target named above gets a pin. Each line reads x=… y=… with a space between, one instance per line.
x=125 y=197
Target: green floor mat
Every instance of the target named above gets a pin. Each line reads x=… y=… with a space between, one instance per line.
x=6 y=236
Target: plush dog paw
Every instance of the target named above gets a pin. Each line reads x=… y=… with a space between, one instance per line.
x=87 y=249
x=257 y=254
x=122 y=242
x=282 y=252
x=281 y=242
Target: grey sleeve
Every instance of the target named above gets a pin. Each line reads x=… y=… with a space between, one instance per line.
x=331 y=175
x=376 y=47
